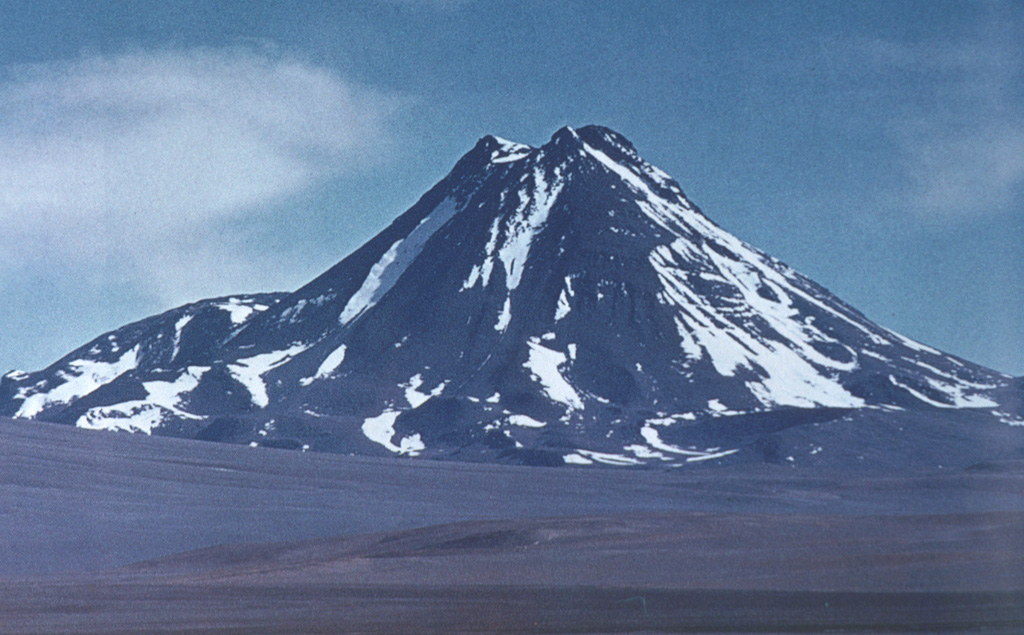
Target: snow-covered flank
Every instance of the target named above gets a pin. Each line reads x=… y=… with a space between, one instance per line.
x=413 y=394
x=249 y=371
x=962 y=393
x=670 y=215
x=749 y=273
x=754 y=282
x=792 y=372
x=381 y=429
x=953 y=392
x=386 y=271
x=143 y=415
x=82 y=377
x=909 y=343
x=520 y=230
x=525 y=223
x=957 y=394
x=239 y=311
x=543 y=365
x=328 y=366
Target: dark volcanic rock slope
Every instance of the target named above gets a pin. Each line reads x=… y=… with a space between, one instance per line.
x=561 y=304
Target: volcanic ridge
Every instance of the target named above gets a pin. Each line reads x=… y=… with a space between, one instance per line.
x=558 y=305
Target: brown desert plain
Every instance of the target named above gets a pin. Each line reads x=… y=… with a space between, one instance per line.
x=107 y=532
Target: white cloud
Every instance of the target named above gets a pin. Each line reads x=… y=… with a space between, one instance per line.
x=962 y=172
x=103 y=158
x=958 y=119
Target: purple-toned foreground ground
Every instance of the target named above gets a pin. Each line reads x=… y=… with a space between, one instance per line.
x=104 y=532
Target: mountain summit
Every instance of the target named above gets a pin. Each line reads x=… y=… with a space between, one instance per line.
x=551 y=305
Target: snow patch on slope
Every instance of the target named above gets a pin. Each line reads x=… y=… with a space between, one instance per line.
x=509 y=151
x=521 y=229
x=381 y=430
x=143 y=415
x=563 y=307
x=82 y=377
x=576 y=459
x=292 y=314
x=673 y=216
x=238 y=310
x=543 y=365
x=386 y=271
x=178 y=326
x=607 y=458
x=413 y=394
x=482 y=272
x=249 y=371
x=525 y=421
x=650 y=434
x=327 y=367
x=955 y=394
x=505 y=317
x=524 y=225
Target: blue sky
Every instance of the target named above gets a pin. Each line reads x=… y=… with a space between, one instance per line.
x=155 y=153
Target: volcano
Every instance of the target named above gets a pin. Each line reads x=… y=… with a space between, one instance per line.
x=553 y=305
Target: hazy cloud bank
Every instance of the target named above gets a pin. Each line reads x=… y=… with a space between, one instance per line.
x=127 y=159
x=962 y=140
